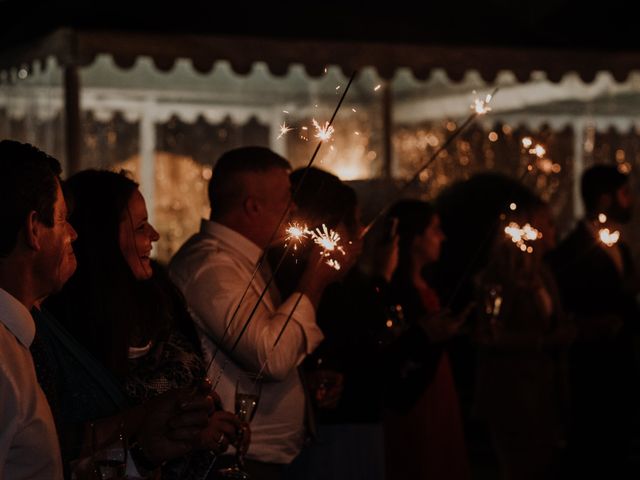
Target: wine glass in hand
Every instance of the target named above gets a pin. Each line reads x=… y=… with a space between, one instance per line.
x=248 y=388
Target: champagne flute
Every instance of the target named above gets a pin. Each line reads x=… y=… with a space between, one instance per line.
x=110 y=461
x=492 y=305
x=248 y=389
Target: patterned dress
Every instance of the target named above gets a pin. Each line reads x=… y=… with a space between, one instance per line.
x=171 y=364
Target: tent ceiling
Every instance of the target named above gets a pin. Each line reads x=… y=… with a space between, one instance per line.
x=499 y=37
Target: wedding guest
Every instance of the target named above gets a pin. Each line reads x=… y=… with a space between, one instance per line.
x=357 y=367
x=36 y=258
x=599 y=288
x=250 y=193
x=132 y=319
x=523 y=337
x=426 y=440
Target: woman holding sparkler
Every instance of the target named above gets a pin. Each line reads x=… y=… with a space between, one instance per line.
x=366 y=349
x=425 y=440
x=132 y=319
x=523 y=338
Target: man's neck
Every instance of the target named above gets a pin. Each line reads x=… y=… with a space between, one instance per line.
x=19 y=282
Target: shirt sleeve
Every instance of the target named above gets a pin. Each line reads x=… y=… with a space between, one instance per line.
x=213 y=296
x=9 y=409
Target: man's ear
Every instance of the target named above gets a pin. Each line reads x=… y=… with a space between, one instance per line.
x=33 y=229
x=252 y=206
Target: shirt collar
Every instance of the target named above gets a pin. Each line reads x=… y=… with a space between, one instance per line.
x=15 y=316
x=238 y=242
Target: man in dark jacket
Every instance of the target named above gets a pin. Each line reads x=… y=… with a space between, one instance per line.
x=598 y=286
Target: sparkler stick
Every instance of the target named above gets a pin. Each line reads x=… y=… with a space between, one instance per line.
x=480 y=107
x=275 y=232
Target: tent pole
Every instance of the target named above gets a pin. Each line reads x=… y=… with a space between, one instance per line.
x=387 y=130
x=72 y=127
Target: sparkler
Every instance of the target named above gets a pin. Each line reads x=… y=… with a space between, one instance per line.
x=296 y=233
x=263 y=257
x=479 y=107
x=284 y=129
x=329 y=240
x=325 y=132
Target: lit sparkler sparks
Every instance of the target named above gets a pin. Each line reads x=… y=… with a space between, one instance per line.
x=296 y=233
x=521 y=235
x=608 y=237
x=482 y=106
x=284 y=129
x=325 y=132
x=334 y=264
x=328 y=239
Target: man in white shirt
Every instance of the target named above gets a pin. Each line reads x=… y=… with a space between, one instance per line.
x=249 y=192
x=36 y=258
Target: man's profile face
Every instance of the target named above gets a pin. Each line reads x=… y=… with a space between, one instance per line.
x=58 y=261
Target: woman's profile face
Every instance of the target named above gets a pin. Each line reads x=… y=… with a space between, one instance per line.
x=136 y=236
x=427 y=245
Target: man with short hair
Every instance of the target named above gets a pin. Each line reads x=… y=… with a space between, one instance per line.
x=36 y=259
x=598 y=285
x=249 y=194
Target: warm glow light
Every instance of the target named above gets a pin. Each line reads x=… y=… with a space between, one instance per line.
x=602 y=218
x=527 y=142
x=539 y=151
x=607 y=237
x=521 y=235
x=513 y=206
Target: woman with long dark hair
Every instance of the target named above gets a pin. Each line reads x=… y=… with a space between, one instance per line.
x=425 y=440
x=126 y=313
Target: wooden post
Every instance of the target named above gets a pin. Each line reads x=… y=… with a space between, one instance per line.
x=72 y=124
x=387 y=130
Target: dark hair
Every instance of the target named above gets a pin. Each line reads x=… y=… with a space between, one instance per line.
x=103 y=304
x=224 y=189
x=324 y=198
x=28 y=182
x=414 y=216
x=600 y=180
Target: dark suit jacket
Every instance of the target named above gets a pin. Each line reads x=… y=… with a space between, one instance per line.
x=603 y=369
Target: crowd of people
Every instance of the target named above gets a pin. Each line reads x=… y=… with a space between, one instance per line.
x=115 y=366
